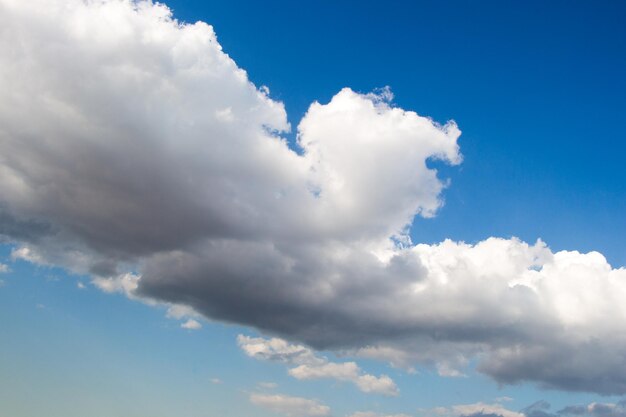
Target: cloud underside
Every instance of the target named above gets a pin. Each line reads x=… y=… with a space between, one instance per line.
x=133 y=149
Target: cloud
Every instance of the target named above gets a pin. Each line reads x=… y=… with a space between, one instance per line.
x=191 y=324
x=4 y=268
x=180 y=311
x=290 y=406
x=27 y=254
x=596 y=410
x=124 y=283
x=163 y=174
x=187 y=314
x=347 y=371
x=310 y=366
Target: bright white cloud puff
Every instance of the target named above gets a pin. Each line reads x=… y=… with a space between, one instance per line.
x=134 y=149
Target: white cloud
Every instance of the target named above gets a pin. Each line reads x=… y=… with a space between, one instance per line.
x=163 y=175
x=290 y=406
x=310 y=366
x=278 y=350
x=124 y=283
x=378 y=385
x=4 y=268
x=216 y=381
x=267 y=385
x=27 y=254
x=347 y=371
x=180 y=311
x=187 y=314
x=191 y=324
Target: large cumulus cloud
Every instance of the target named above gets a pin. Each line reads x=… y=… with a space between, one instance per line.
x=134 y=149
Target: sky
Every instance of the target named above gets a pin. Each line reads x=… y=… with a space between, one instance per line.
x=312 y=209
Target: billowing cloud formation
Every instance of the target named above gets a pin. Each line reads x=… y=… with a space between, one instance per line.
x=290 y=406
x=134 y=149
x=308 y=365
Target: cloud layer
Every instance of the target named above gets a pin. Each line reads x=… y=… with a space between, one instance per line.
x=132 y=148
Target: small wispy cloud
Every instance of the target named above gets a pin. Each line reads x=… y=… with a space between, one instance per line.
x=191 y=324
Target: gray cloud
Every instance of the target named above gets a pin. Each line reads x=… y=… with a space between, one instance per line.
x=595 y=410
x=132 y=148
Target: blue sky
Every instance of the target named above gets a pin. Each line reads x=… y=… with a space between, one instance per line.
x=539 y=94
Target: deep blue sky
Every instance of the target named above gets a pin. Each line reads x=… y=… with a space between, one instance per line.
x=537 y=88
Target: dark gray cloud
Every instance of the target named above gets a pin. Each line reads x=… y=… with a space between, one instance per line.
x=146 y=158
x=28 y=230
